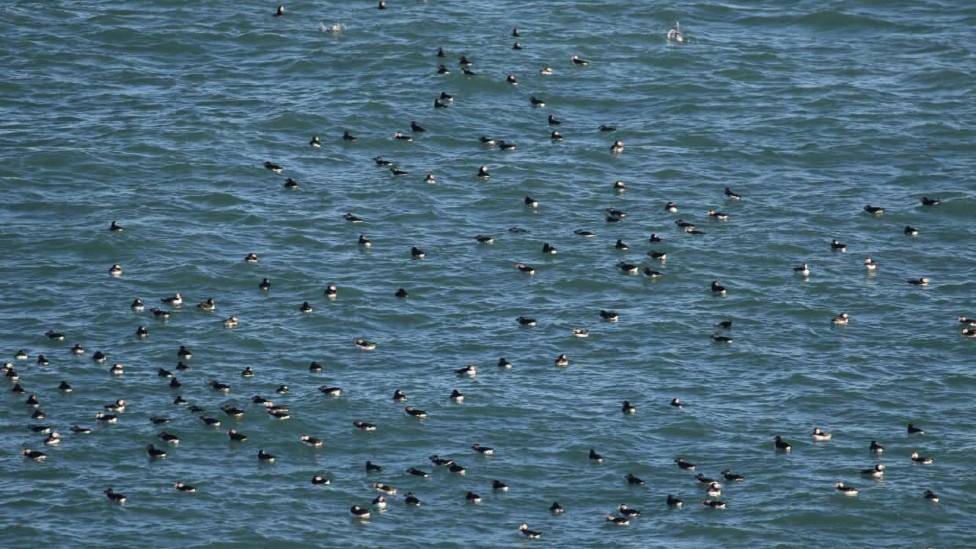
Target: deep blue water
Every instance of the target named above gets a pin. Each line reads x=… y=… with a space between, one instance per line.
x=161 y=115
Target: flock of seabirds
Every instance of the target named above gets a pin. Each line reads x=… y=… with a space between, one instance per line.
x=623 y=514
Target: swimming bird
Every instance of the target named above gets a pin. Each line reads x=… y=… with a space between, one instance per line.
x=721 y=216
x=876 y=448
x=457 y=469
x=457 y=396
x=417 y=472
x=682 y=464
x=468 y=371
x=701 y=478
x=169 y=438
x=675 y=35
x=845 y=489
x=81 y=430
x=628 y=511
x=628 y=408
x=400 y=293
x=617 y=147
x=231 y=322
x=924 y=460
x=556 y=508
x=609 y=316
x=874 y=472
x=660 y=256
x=364 y=425
x=106 y=418
x=633 y=480
x=331 y=291
x=114 y=496
x=483 y=172
x=185 y=488
x=732 y=477
x=209 y=305
x=874 y=210
x=547 y=71
x=416 y=128
x=719 y=338
x=305 y=307
x=967 y=320
x=504 y=363
x=511 y=78
x=115 y=227
x=438 y=104
x=115 y=270
x=65 y=387
x=412 y=500
x=870 y=264
x=530 y=534
x=910 y=231
x=54 y=336
x=579 y=61
x=414 y=412
x=364 y=344
x=651 y=273
x=674 y=503
x=526 y=321
x=820 y=435
x=841 y=320
x=562 y=360
x=549 y=249
x=348 y=136
x=265 y=284
x=517 y=45
x=536 y=102
x=718 y=288
x=838 y=246
x=439 y=461
x=713 y=490
x=398 y=136
x=677 y=403
x=926 y=201
x=273 y=167
x=472 y=497
x=553 y=121
x=483 y=450
x=265 y=457
x=919 y=281
x=399 y=396
x=595 y=457
x=385 y=488
x=584 y=233
x=499 y=486
x=931 y=496
x=331 y=391
x=484 y=239
x=358 y=512
x=35 y=455
x=352 y=218
x=527 y=269
x=618 y=521
x=628 y=268
x=530 y=202
x=379 y=502
x=315 y=142
x=619 y=186
x=236 y=436
x=155 y=453
x=803 y=270
x=714 y=504
x=781 y=445
x=671 y=207
x=396 y=171
x=732 y=195
x=174 y=300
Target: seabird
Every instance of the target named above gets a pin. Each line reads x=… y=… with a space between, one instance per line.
x=845 y=489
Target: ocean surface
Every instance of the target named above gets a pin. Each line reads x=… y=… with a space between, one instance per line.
x=161 y=114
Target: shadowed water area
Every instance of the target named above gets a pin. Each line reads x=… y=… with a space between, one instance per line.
x=161 y=114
